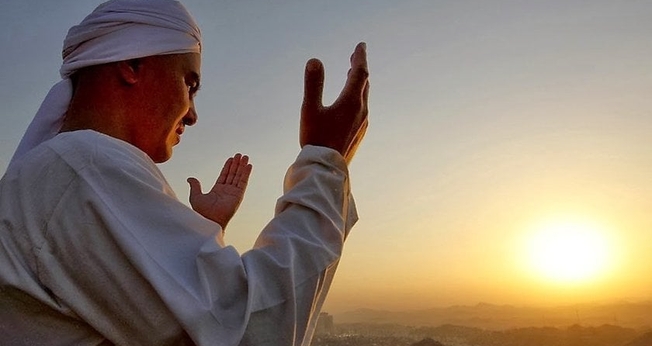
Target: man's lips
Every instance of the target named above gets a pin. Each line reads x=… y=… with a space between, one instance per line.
x=179 y=132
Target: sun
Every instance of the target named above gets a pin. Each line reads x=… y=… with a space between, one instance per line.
x=565 y=251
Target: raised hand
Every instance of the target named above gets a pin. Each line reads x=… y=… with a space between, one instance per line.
x=342 y=125
x=224 y=198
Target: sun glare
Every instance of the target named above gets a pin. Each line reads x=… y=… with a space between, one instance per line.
x=568 y=251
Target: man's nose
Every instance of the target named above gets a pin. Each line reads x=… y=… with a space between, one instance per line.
x=191 y=117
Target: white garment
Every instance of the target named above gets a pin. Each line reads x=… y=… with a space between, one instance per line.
x=94 y=246
x=116 y=30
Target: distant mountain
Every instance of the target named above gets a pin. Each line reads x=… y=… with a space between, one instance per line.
x=364 y=334
x=499 y=317
x=643 y=340
x=427 y=342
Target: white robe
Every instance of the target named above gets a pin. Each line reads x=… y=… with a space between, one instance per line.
x=95 y=247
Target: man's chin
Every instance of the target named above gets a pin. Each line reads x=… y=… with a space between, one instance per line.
x=162 y=156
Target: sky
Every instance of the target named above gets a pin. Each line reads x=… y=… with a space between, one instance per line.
x=488 y=121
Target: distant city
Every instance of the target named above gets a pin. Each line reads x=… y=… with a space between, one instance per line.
x=621 y=324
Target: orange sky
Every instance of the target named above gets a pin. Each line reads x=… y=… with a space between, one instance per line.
x=485 y=119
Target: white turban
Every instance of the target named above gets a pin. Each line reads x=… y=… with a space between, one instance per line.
x=116 y=30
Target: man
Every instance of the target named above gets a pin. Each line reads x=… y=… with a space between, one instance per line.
x=95 y=249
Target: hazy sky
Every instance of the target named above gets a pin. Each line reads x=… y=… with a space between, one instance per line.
x=487 y=118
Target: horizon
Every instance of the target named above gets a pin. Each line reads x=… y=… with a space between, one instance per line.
x=624 y=301
x=491 y=317
x=507 y=160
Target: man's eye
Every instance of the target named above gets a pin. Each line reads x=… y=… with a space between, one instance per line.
x=193 y=87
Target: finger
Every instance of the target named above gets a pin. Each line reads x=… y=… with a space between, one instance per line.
x=243 y=179
x=240 y=169
x=221 y=179
x=365 y=98
x=195 y=187
x=244 y=161
x=358 y=74
x=360 y=48
x=233 y=169
x=313 y=85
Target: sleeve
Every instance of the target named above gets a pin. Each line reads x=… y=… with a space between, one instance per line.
x=142 y=268
x=297 y=254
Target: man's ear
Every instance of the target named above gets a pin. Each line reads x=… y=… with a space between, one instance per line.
x=129 y=71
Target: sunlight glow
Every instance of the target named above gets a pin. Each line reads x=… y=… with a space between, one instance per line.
x=569 y=251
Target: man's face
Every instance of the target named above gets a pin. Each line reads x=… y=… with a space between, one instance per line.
x=168 y=86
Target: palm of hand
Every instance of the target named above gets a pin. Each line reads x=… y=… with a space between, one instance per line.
x=224 y=198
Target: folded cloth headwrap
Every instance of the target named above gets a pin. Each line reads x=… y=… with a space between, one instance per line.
x=116 y=30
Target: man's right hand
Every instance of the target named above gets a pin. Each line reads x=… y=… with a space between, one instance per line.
x=342 y=125
x=224 y=198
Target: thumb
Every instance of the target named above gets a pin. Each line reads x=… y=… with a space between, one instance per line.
x=195 y=187
x=313 y=85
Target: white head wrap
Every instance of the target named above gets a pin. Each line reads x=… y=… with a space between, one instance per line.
x=116 y=30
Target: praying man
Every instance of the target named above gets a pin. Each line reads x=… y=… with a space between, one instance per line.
x=95 y=248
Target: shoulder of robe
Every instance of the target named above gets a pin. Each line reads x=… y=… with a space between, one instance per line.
x=90 y=156
x=91 y=150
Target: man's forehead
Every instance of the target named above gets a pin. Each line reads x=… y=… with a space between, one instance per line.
x=192 y=62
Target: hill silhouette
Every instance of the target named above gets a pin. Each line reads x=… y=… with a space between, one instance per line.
x=643 y=340
x=427 y=342
x=450 y=335
x=500 y=317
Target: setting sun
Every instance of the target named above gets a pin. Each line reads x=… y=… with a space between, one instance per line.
x=568 y=251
